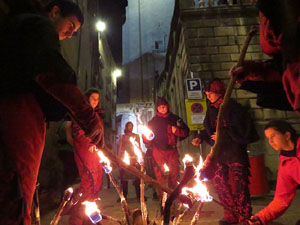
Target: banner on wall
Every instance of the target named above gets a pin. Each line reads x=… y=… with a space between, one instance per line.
x=195 y=111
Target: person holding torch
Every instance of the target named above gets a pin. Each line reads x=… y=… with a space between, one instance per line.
x=168 y=129
x=35 y=81
x=87 y=161
x=126 y=146
x=233 y=157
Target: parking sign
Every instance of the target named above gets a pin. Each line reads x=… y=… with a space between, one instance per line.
x=193 y=86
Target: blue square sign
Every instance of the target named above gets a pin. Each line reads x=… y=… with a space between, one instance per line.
x=193 y=86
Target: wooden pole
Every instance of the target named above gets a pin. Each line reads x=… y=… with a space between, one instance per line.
x=142 y=198
x=218 y=144
x=123 y=200
x=66 y=198
x=105 y=217
x=197 y=213
x=134 y=171
x=188 y=175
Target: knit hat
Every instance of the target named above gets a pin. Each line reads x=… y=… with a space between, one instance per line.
x=215 y=86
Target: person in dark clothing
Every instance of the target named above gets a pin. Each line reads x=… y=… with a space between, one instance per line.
x=30 y=60
x=233 y=158
x=168 y=128
x=126 y=145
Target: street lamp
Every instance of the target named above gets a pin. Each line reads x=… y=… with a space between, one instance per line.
x=100 y=26
x=116 y=73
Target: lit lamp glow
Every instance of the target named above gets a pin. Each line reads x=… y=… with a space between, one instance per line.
x=116 y=73
x=100 y=26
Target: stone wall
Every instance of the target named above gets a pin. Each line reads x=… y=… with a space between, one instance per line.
x=206 y=42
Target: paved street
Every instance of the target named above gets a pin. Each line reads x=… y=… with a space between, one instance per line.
x=210 y=215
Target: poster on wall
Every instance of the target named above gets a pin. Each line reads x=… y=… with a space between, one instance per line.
x=195 y=111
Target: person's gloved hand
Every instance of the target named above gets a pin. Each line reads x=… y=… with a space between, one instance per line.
x=196 y=141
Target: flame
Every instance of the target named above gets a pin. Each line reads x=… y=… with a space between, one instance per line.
x=70 y=190
x=90 y=207
x=126 y=158
x=137 y=149
x=146 y=132
x=200 y=165
x=199 y=191
x=105 y=162
x=187 y=159
x=166 y=168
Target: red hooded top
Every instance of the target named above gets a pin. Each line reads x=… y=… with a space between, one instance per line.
x=288 y=179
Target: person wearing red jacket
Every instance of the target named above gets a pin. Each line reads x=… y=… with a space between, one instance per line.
x=168 y=129
x=34 y=80
x=88 y=165
x=278 y=78
x=282 y=137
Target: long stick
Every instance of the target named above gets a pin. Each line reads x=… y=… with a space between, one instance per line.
x=37 y=205
x=142 y=198
x=66 y=198
x=196 y=215
x=231 y=209
x=123 y=200
x=134 y=171
x=105 y=217
x=189 y=173
x=218 y=144
x=178 y=219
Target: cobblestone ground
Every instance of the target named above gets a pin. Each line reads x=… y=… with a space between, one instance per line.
x=210 y=214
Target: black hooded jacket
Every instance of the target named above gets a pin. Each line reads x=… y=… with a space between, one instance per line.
x=239 y=132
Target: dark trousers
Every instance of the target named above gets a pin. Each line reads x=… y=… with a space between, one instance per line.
x=124 y=184
x=231 y=184
x=171 y=158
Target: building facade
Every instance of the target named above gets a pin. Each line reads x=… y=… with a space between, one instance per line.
x=205 y=43
x=145 y=37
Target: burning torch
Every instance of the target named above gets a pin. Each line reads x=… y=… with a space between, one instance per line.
x=92 y=211
x=107 y=168
x=66 y=198
x=139 y=155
